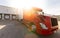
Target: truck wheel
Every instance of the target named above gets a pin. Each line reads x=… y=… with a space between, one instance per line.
x=55 y=31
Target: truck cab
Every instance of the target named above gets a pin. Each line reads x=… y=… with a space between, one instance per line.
x=45 y=25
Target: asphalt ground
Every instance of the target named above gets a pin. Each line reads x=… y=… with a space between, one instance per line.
x=15 y=29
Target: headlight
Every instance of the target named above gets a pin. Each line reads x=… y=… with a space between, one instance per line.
x=43 y=26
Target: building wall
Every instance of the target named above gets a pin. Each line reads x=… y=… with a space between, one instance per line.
x=8 y=10
x=8 y=13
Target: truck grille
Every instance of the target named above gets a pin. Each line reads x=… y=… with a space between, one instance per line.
x=54 y=21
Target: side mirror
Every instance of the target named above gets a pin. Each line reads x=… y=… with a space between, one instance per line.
x=43 y=13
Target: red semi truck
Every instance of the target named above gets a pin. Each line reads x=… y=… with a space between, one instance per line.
x=45 y=25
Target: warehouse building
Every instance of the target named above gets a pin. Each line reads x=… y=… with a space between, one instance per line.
x=8 y=13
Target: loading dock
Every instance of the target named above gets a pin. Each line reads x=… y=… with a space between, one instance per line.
x=7 y=16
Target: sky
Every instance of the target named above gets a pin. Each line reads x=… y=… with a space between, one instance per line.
x=49 y=6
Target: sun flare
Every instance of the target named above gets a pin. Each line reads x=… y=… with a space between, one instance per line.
x=26 y=4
